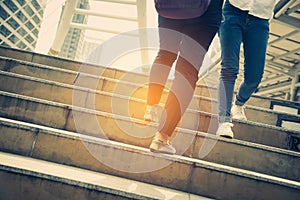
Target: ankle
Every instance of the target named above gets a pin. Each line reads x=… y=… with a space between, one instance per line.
x=163 y=137
x=148 y=107
x=226 y=124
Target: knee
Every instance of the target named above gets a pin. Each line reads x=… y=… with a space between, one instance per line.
x=165 y=57
x=229 y=73
x=187 y=71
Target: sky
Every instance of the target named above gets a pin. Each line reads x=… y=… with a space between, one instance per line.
x=53 y=11
x=51 y=19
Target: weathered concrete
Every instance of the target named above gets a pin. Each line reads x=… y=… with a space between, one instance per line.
x=61 y=116
x=55 y=181
x=180 y=173
x=19 y=138
x=63 y=93
x=59 y=63
x=225 y=163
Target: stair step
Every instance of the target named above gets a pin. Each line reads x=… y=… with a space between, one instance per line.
x=106 y=82
x=58 y=63
x=236 y=153
x=57 y=181
x=42 y=122
x=61 y=116
x=63 y=93
x=136 y=163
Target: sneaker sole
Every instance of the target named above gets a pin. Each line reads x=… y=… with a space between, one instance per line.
x=155 y=150
x=159 y=151
x=226 y=136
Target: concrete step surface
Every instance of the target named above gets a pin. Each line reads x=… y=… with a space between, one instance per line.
x=100 y=81
x=60 y=63
x=61 y=116
x=136 y=163
x=62 y=92
x=23 y=174
x=237 y=153
x=258 y=158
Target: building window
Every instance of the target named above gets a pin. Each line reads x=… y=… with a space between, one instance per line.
x=13 y=39
x=5 y=32
x=22 y=17
x=13 y=23
x=36 y=19
x=4 y=44
x=36 y=4
x=29 y=10
x=21 y=2
x=4 y=15
x=21 y=45
x=30 y=25
x=41 y=12
x=29 y=39
x=21 y=31
x=11 y=6
x=35 y=32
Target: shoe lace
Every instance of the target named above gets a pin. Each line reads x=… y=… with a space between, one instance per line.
x=240 y=110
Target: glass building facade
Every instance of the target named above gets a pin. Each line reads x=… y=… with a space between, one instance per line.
x=20 y=22
x=74 y=40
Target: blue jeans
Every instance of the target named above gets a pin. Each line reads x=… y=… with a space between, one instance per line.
x=179 y=48
x=239 y=27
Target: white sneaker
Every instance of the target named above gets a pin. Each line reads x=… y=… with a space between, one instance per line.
x=224 y=130
x=151 y=113
x=238 y=112
x=160 y=146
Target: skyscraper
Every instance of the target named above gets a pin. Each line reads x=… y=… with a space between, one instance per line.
x=20 y=22
x=73 y=42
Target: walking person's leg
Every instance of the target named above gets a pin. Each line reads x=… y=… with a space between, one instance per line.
x=255 y=45
x=192 y=52
x=169 y=40
x=181 y=92
x=231 y=34
x=199 y=35
x=177 y=101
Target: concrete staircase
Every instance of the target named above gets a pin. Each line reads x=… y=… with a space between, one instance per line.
x=70 y=130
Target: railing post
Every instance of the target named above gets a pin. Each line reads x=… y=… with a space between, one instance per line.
x=294 y=88
x=63 y=27
x=142 y=23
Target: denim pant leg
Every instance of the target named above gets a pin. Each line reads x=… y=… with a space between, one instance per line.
x=230 y=33
x=255 y=41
